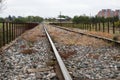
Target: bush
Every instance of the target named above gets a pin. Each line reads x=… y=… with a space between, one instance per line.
x=117 y=24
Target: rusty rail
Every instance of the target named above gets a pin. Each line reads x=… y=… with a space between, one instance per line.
x=64 y=70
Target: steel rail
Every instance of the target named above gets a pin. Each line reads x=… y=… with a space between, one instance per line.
x=91 y=35
x=64 y=70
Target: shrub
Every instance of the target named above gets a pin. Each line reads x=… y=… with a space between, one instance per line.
x=117 y=24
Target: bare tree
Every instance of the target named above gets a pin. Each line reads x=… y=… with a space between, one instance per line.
x=0 y=0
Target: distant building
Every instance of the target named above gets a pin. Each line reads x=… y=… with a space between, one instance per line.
x=117 y=13
x=108 y=13
x=61 y=19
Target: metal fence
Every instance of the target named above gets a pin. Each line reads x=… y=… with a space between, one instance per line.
x=9 y=31
x=108 y=27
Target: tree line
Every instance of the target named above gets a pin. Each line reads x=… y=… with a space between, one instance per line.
x=86 y=19
x=21 y=19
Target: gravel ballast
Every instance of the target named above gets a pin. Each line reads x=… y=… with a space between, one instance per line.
x=28 y=58
x=86 y=57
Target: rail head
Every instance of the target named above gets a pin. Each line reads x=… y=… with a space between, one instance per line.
x=64 y=70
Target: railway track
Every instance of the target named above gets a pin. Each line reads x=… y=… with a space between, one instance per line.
x=61 y=64
x=91 y=35
x=33 y=56
x=40 y=60
x=84 y=61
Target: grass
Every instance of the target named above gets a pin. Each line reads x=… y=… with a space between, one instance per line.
x=28 y=51
x=94 y=32
x=32 y=35
x=1 y=25
x=67 y=54
x=1 y=41
x=116 y=37
x=117 y=30
x=101 y=34
x=51 y=63
x=70 y=38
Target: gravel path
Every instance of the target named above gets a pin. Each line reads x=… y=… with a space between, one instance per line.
x=30 y=58
x=86 y=57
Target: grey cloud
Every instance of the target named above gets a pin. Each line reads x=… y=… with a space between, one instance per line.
x=51 y=8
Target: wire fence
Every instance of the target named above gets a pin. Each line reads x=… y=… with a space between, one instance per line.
x=108 y=27
x=9 y=31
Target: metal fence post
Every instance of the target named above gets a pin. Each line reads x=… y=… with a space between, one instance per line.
x=3 y=33
x=113 y=28
x=7 y=36
x=108 y=27
x=95 y=26
x=12 y=29
x=99 y=26
x=103 y=27
x=90 y=26
x=10 y=32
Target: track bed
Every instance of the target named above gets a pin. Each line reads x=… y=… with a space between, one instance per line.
x=87 y=57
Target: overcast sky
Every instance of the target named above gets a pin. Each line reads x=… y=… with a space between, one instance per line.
x=52 y=8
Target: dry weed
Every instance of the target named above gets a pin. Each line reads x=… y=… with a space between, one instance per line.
x=107 y=35
x=116 y=37
x=50 y=63
x=28 y=51
x=93 y=56
x=70 y=38
x=33 y=35
x=23 y=46
x=116 y=57
x=102 y=34
x=67 y=54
